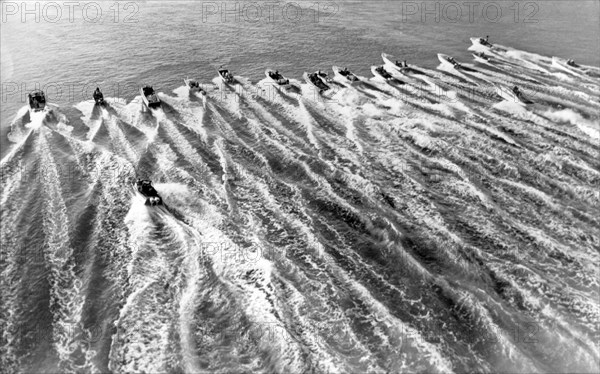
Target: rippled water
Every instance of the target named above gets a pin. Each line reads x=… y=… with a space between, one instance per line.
x=419 y=227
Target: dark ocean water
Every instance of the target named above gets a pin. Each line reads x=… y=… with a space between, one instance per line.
x=419 y=227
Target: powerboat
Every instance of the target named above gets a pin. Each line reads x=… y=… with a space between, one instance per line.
x=37 y=101
x=566 y=65
x=149 y=97
x=483 y=42
x=379 y=71
x=145 y=188
x=194 y=86
x=225 y=75
x=98 y=97
x=515 y=95
x=324 y=77
x=345 y=75
x=449 y=61
x=316 y=79
x=276 y=77
x=481 y=57
x=401 y=66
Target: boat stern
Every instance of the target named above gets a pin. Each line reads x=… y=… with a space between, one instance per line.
x=153 y=200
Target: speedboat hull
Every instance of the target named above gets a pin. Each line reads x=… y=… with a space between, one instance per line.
x=145 y=189
x=477 y=42
x=99 y=98
x=508 y=95
x=150 y=101
x=324 y=77
x=226 y=76
x=562 y=65
x=483 y=60
x=444 y=60
x=37 y=101
x=349 y=78
x=385 y=76
x=390 y=61
x=319 y=85
x=193 y=86
x=281 y=82
x=486 y=46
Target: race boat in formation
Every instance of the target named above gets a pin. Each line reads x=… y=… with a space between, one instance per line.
x=324 y=77
x=149 y=97
x=316 y=79
x=513 y=95
x=145 y=188
x=380 y=72
x=481 y=57
x=276 y=77
x=449 y=61
x=37 y=101
x=484 y=42
x=400 y=66
x=345 y=75
x=225 y=75
x=98 y=97
x=194 y=86
x=566 y=65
